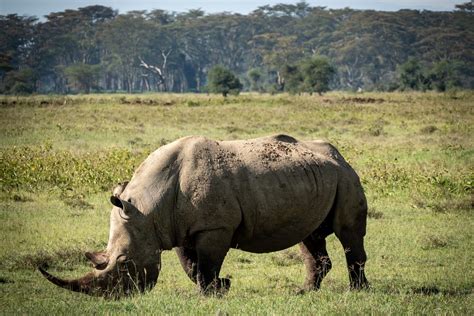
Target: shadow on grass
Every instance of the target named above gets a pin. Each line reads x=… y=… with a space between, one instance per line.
x=425 y=290
x=434 y=290
x=5 y=280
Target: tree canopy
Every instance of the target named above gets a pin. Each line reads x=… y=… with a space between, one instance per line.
x=317 y=74
x=222 y=80
x=167 y=51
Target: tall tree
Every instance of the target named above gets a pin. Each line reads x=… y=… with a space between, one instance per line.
x=466 y=7
x=446 y=75
x=126 y=38
x=255 y=76
x=69 y=37
x=411 y=75
x=168 y=51
x=84 y=77
x=16 y=39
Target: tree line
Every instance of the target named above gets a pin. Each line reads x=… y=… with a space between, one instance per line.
x=285 y=47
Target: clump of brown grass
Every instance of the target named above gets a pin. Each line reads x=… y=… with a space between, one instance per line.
x=374 y=214
x=429 y=129
x=433 y=242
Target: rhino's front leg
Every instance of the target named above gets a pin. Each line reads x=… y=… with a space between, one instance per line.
x=211 y=248
x=188 y=259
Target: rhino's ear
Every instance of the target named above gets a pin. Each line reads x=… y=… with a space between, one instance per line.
x=116 y=201
x=98 y=259
x=127 y=209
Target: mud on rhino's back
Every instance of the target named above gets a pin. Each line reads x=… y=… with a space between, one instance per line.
x=270 y=191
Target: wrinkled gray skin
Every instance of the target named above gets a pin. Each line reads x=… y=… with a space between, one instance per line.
x=204 y=197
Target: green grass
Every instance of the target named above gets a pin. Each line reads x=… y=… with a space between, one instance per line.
x=60 y=157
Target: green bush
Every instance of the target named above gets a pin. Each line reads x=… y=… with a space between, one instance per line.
x=222 y=80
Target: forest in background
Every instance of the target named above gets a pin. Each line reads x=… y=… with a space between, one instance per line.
x=96 y=49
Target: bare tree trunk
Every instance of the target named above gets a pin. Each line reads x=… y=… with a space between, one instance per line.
x=198 y=79
x=158 y=72
x=129 y=84
x=280 y=81
x=147 y=83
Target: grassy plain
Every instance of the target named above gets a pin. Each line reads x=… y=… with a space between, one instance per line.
x=60 y=156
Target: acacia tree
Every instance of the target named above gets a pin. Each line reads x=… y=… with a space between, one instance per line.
x=311 y=75
x=67 y=38
x=317 y=73
x=83 y=76
x=16 y=37
x=126 y=38
x=411 y=75
x=255 y=76
x=293 y=78
x=176 y=50
x=465 y=7
x=19 y=81
x=222 y=80
x=445 y=75
x=277 y=51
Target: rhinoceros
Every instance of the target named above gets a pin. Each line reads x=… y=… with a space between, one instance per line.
x=204 y=197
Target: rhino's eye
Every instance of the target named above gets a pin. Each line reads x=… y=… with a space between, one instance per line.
x=122 y=258
x=127 y=266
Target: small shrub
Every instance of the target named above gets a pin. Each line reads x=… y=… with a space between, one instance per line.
x=433 y=242
x=20 y=197
x=76 y=201
x=376 y=130
x=452 y=205
x=286 y=258
x=427 y=290
x=374 y=214
x=243 y=260
x=135 y=141
x=430 y=129
x=192 y=103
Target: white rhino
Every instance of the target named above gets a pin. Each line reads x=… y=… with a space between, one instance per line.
x=203 y=197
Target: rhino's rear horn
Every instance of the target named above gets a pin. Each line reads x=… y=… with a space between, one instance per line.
x=82 y=285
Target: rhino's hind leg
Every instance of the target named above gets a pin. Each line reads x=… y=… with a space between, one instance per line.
x=188 y=258
x=211 y=249
x=353 y=243
x=316 y=260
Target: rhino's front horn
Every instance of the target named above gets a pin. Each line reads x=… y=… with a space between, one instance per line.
x=83 y=285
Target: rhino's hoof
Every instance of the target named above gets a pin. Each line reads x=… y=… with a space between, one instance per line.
x=225 y=284
x=358 y=286
x=218 y=287
x=301 y=291
x=306 y=288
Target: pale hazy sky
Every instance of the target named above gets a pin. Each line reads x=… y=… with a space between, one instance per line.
x=43 y=7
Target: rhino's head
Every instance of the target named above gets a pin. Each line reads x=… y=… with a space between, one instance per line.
x=131 y=262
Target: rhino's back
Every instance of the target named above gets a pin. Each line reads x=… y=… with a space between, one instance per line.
x=271 y=191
